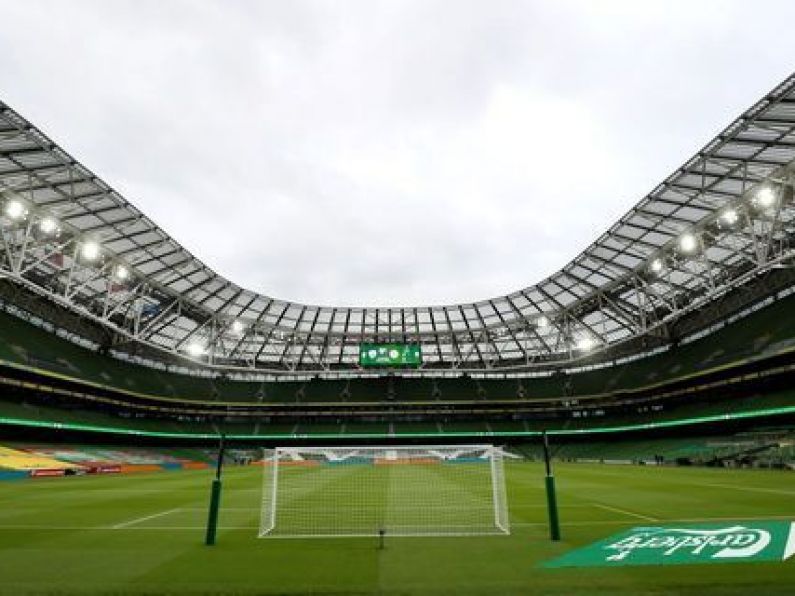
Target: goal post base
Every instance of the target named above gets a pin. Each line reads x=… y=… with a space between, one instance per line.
x=552 y=507
x=212 y=517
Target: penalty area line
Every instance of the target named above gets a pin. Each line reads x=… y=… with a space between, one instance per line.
x=139 y=520
x=625 y=512
x=624 y=522
x=752 y=489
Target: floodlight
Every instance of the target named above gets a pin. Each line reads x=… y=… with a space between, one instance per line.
x=15 y=209
x=90 y=250
x=195 y=349
x=121 y=272
x=729 y=217
x=688 y=242
x=656 y=266
x=237 y=327
x=585 y=343
x=765 y=197
x=542 y=322
x=48 y=225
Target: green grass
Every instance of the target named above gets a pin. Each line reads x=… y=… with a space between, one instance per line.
x=144 y=534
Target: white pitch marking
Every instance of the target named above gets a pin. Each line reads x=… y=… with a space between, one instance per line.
x=224 y=509
x=753 y=489
x=604 y=522
x=773 y=491
x=612 y=522
x=789 y=550
x=408 y=507
x=625 y=512
x=564 y=506
x=138 y=520
x=252 y=528
x=111 y=528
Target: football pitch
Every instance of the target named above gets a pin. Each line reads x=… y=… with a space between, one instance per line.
x=144 y=534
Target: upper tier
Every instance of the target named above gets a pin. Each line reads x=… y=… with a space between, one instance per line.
x=766 y=331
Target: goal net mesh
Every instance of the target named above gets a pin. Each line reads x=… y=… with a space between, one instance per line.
x=451 y=490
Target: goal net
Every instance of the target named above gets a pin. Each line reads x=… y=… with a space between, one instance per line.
x=450 y=490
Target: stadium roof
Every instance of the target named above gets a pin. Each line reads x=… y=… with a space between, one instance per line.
x=721 y=219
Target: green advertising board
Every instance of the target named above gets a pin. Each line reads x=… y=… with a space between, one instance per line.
x=392 y=354
x=729 y=542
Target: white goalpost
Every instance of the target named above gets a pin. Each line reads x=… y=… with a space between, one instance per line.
x=435 y=490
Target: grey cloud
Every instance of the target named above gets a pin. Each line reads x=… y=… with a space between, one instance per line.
x=292 y=145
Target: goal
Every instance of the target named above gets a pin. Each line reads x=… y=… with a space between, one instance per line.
x=449 y=490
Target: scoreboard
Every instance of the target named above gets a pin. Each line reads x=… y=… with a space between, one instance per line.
x=390 y=355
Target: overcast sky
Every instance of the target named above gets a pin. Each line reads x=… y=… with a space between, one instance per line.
x=387 y=153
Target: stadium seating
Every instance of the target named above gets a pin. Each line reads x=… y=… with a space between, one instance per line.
x=765 y=448
x=736 y=341
x=27 y=345
x=16 y=459
x=23 y=346
x=746 y=449
x=766 y=331
x=39 y=458
x=128 y=423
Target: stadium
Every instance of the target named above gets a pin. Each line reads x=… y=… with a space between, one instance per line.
x=624 y=426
